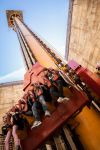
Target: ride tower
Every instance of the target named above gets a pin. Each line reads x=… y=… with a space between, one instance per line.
x=31 y=45
x=33 y=50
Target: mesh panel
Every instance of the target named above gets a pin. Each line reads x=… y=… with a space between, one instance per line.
x=2 y=138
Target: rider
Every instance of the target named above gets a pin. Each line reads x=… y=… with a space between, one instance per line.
x=56 y=87
x=7 y=130
x=18 y=123
x=37 y=97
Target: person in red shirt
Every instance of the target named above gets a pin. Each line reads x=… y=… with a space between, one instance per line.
x=38 y=97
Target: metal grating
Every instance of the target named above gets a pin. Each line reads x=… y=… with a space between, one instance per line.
x=2 y=138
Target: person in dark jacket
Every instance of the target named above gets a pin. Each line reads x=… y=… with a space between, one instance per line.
x=56 y=84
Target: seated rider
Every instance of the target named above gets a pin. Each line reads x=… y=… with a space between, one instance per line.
x=38 y=97
x=18 y=124
x=7 y=130
x=56 y=88
x=26 y=104
x=78 y=81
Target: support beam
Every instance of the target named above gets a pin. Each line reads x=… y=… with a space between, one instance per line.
x=69 y=138
x=59 y=142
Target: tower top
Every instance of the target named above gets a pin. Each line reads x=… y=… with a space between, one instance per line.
x=13 y=13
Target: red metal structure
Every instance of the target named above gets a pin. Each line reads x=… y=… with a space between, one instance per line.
x=91 y=79
x=61 y=115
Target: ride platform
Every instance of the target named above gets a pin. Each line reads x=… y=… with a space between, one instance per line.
x=64 y=111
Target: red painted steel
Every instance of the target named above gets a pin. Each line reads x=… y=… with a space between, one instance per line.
x=29 y=76
x=74 y=65
x=91 y=79
x=62 y=114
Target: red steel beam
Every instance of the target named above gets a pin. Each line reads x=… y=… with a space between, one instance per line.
x=91 y=79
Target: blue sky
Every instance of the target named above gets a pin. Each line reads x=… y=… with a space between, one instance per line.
x=48 y=18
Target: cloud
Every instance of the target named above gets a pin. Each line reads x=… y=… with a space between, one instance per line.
x=13 y=76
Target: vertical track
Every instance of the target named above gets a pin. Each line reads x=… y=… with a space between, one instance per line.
x=29 y=59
